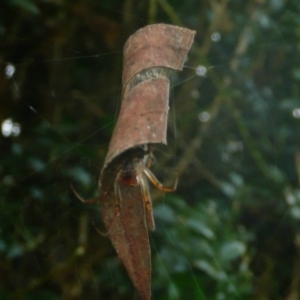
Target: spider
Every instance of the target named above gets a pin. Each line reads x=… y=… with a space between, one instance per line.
x=133 y=171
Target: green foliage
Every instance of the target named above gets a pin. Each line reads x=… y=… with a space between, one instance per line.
x=200 y=253
x=231 y=231
x=29 y=6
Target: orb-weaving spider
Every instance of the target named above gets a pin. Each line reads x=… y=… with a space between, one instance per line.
x=133 y=172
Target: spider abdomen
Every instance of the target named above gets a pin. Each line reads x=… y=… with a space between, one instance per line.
x=129 y=178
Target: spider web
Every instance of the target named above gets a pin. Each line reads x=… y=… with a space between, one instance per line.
x=199 y=240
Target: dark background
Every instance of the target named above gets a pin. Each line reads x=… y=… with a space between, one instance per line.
x=231 y=231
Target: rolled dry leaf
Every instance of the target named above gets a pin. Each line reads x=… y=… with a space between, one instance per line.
x=157 y=45
x=129 y=235
x=149 y=56
x=143 y=117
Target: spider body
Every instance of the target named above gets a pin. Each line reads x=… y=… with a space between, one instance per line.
x=135 y=172
x=128 y=176
x=131 y=170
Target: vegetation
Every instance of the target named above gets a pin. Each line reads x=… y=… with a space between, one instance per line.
x=232 y=229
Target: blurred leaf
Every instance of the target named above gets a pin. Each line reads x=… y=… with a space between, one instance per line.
x=15 y=250
x=27 y=5
x=165 y=213
x=232 y=250
x=210 y=270
x=200 y=227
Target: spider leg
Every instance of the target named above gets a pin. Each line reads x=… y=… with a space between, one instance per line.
x=117 y=195
x=116 y=213
x=150 y=159
x=93 y=201
x=110 y=226
x=147 y=201
x=156 y=182
x=85 y=201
